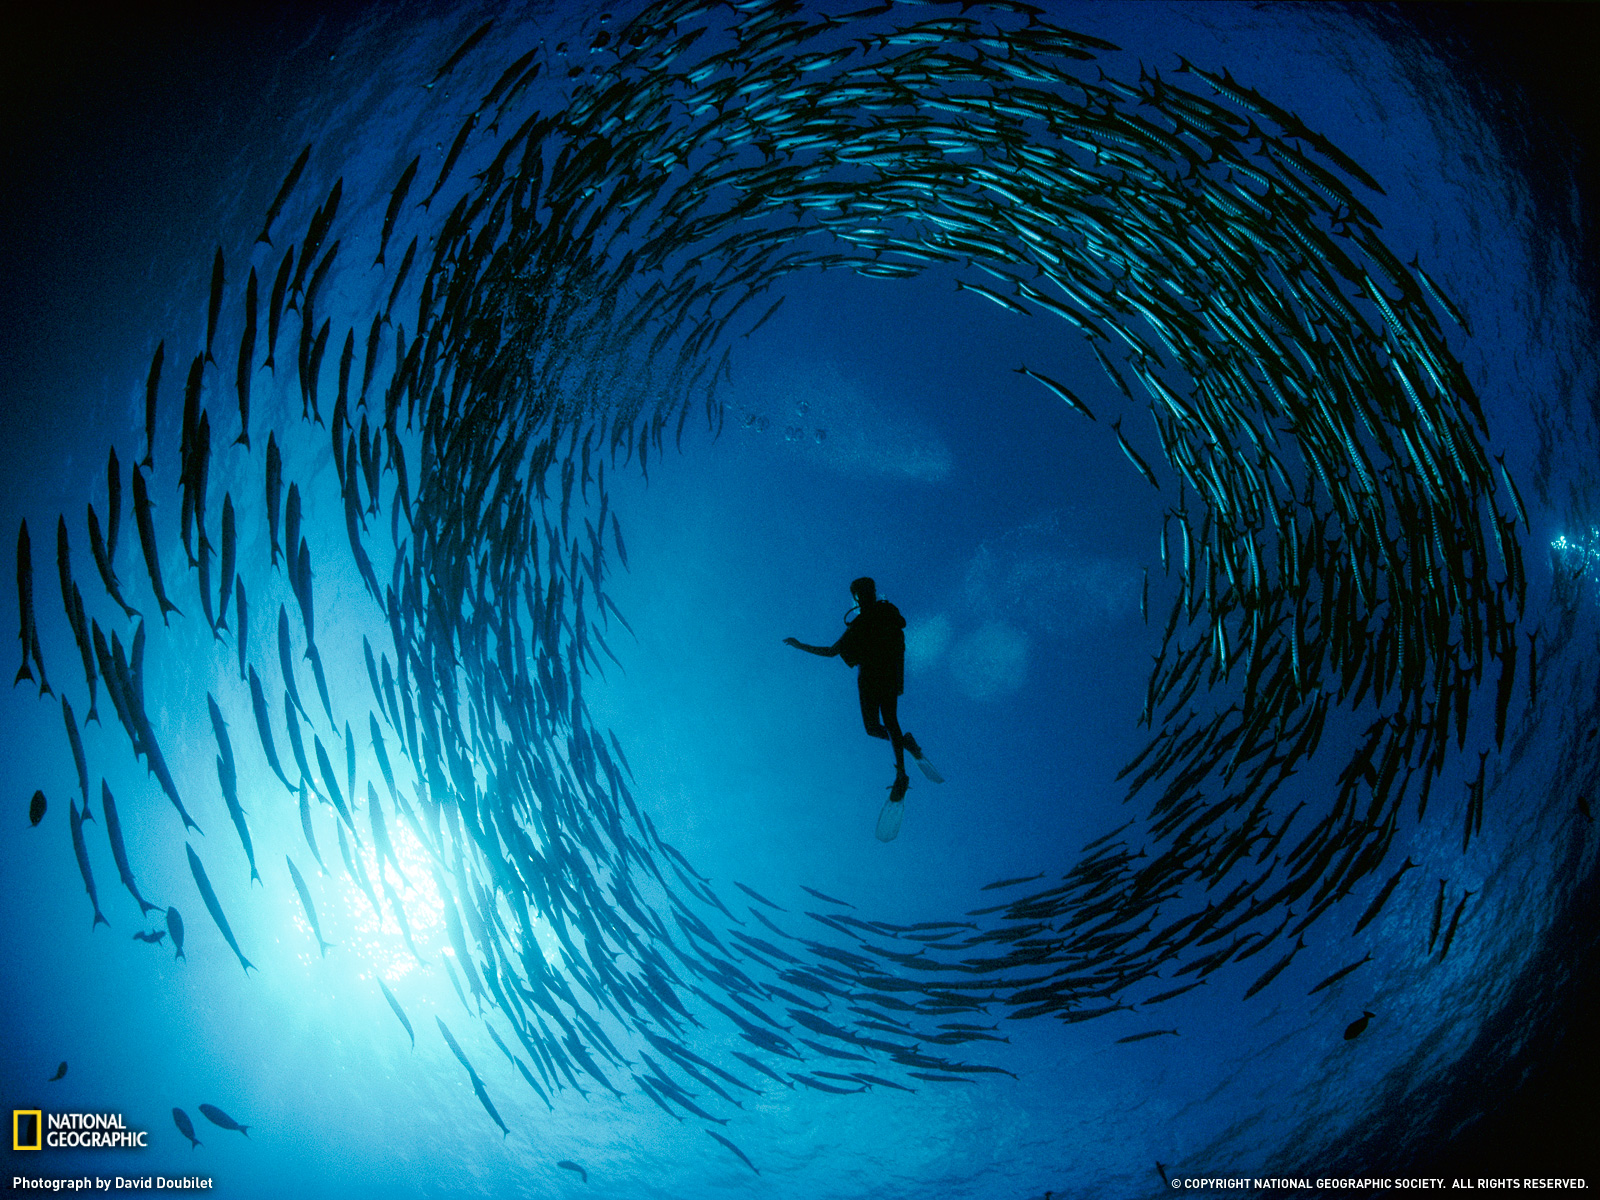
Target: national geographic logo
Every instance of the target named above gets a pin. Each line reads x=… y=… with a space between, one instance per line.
x=27 y=1129
x=31 y=1130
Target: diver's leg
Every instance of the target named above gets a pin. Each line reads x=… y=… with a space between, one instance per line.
x=890 y=705
x=869 y=710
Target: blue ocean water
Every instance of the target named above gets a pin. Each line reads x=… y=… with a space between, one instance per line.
x=872 y=426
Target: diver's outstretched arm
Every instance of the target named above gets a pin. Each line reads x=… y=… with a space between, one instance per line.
x=823 y=651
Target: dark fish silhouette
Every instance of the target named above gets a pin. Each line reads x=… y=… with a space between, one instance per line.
x=825 y=896
x=175 y=928
x=1060 y=390
x=185 y=1127
x=466 y=47
x=28 y=635
x=1450 y=930
x=305 y=900
x=37 y=807
x=241 y=632
x=119 y=850
x=247 y=360
x=214 y=908
x=61 y=1073
x=569 y=1165
x=292 y=178
x=396 y=199
x=1339 y=974
x=280 y=287
x=153 y=938
x=1382 y=896
x=305 y=826
x=1357 y=1027
x=1150 y=1033
x=399 y=1012
x=152 y=385
x=735 y=1149
x=82 y=852
x=221 y=1119
x=215 y=309
x=1438 y=913
x=147 y=542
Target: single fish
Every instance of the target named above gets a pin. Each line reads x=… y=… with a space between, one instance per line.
x=399 y=1012
x=735 y=1149
x=286 y=661
x=28 y=634
x=1438 y=913
x=113 y=503
x=153 y=938
x=82 y=852
x=210 y=897
x=1338 y=975
x=152 y=386
x=61 y=1073
x=332 y=782
x=241 y=630
x=215 y=308
x=1382 y=896
x=1133 y=455
x=1357 y=1027
x=825 y=896
x=119 y=849
x=305 y=825
x=258 y=704
x=283 y=194
x=229 y=780
x=222 y=1120
x=102 y=562
x=1151 y=1033
x=1450 y=930
x=280 y=286
x=396 y=199
x=1060 y=390
x=175 y=928
x=247 y=359
x=569 y=1165
x=274 y=491
x=147 y=541
x=305 y=900
x=461 y=52
x=185 y=1126
x=76 y=742
x=37 y=807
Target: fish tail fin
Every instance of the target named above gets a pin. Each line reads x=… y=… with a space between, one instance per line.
x=93 y=715
x=245 y=1129
x=167 y=606
x=270 y=365
x=44 y=684
x=243 y=440
x=378 y=262
x=22 y=673
x=262 y=237
x=254 y=877
x=180 y=954
x=248 y=965
x=209 y=359
x=99 y=919
x=145 y=906
x=149 y=462
x=188 y=823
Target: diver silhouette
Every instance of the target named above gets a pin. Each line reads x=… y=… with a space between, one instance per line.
x=875 y=641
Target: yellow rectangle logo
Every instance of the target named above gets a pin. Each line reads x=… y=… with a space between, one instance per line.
x=27 y=1128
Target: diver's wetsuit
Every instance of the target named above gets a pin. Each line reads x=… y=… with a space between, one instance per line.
x=876 y=642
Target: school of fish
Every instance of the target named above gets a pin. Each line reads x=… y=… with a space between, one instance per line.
x=605 y=222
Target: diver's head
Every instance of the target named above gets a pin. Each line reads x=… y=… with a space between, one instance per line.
x=864 y=590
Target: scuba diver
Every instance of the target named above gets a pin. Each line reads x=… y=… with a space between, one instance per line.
x=875 y=641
